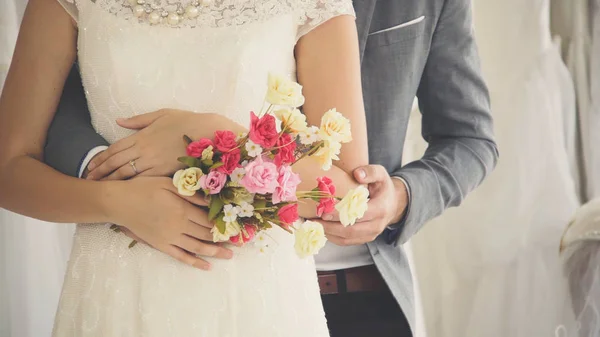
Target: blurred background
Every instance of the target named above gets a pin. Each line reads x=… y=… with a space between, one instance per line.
x=492 y=267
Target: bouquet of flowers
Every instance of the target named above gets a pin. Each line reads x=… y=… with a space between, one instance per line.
x=248 y=178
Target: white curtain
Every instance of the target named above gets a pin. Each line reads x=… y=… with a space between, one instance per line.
x=33 y=253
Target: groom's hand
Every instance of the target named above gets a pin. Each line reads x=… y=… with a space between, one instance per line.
x=387 y=204
x=154 y=212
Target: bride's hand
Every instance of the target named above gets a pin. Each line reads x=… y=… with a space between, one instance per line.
x=157 y=215
x=154 y=149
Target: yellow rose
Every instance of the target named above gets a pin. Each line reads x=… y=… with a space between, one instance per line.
x=282 y=91
x=231 y=229
x=292 y=119
x=353 y=206
x=310 y=238
x=335 y=126
x=328 y=153
x=187 y=181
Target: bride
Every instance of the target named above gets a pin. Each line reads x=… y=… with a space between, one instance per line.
x=200 y=56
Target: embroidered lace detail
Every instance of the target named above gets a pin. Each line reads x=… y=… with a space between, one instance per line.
x=223 y=13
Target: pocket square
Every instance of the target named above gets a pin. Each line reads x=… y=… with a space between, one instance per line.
x=402 y=25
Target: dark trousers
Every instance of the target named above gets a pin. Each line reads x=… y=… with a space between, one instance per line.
x=365 y=314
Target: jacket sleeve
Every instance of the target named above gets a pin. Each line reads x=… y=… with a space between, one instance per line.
x=71 y=135
x=457 y=123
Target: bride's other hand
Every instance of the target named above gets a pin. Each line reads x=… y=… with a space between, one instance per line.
x=156 y=214
x=154 y=149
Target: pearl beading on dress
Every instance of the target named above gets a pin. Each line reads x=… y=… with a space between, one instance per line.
x=171 y=15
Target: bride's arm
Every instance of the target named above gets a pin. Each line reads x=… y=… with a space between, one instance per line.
x=43 y=56
x=328 y=66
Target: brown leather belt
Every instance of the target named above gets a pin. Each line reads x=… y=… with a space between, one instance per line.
x=351 y=280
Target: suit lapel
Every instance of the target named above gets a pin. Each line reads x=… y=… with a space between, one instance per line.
x=364 y=14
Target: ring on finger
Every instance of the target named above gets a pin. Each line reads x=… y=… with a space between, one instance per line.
x=132 y=163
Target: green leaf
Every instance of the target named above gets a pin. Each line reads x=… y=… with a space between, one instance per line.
x=220 y=225
x=189 y=161
x=208 y=162
x=187 y=139
x=216 y=205
x=216 y=165
x=260 y=203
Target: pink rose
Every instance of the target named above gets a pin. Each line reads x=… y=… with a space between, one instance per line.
x=225 y=140
x=263 y=131
x=286 y=185
x=326 y=205
x=261 y=176
x=195 y=149
x=286 y=153
x=213 y=182
x=231 y=161
x=288 y=214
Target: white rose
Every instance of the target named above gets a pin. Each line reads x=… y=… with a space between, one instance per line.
x=353 y=206
x=231 y=229
x=282 y=91
x=310 y=238
x=309 y=135
x=292 y=119
x=187 y=181
x=207 y=154
x=335 y=126
x=328 y=153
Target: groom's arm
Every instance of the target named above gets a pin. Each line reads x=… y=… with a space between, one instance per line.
x=72 y=141
x=457 y=123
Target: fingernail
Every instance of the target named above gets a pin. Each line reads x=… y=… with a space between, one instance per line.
x=328 y=217
x=91 y=165
x=119 y=120
x=228 y=254
x=89 y=177
x=362 y=174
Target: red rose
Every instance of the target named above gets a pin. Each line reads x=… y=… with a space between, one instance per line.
x=250 y=231
x=225 y=140
x=195 y=149
x=246 y=235
x=263 y=131
x=326 y=185
x=288 y=214
x=231 y=161
x=326 y=205
x=286 y=153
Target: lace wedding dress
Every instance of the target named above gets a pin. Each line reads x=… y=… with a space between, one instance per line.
x=201 y=56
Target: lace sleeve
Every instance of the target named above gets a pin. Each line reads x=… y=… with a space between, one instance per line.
x=70 y=7
x=312 y=13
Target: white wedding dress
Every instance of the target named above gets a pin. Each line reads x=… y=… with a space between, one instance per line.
x=216 y=62
x=491 y=267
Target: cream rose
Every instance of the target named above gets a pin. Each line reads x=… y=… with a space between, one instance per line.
x=231 y=229
x=310 y=238
x=328 y=153
x=292 y=119
x=353 y=206
x=208 y=153
x=282 y=91
x=335 y=126
x=187 y=181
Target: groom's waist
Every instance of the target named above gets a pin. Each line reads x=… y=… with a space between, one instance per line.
x=359 y=279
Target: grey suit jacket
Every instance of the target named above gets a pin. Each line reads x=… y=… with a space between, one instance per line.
x=408 y=48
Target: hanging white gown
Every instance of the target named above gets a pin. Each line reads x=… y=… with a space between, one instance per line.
x=491 y=267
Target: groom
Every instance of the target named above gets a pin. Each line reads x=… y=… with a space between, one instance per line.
x=409 y=48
